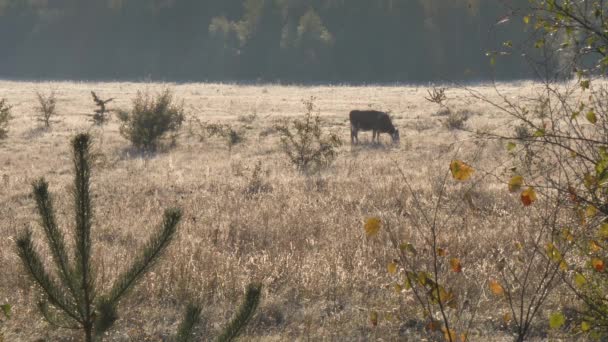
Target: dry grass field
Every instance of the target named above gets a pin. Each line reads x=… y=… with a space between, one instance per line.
x=302 y=237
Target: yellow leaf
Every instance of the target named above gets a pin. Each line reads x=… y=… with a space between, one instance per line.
x=398 y=288
x=391 y=267
x=594 y=246
x=579 y=280
x=591 y=211
x=556 y=320
x=603 y=231
x=585 y=326
x=408 y=247
x=567 y=235
x=496 y=288
x=460 y=170
x=372 y=226
x=553 y=253
x=528 y=196
x=449 y=334
x=441 y=251
x=506 y=317
x=455 y=264
x=591 y=117
x=598 y=264
x=516 y=183
x=463 y=337
x=527 y=19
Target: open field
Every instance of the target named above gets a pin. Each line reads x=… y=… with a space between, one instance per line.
x=303 y=238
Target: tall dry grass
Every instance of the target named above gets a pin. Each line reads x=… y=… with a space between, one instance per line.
x=302 y=237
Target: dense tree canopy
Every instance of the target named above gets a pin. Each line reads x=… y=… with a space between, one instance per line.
x=269 y=40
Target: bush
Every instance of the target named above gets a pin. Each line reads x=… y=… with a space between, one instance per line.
x=456 y=120
x=5 y=117
x=47 y=107
x=152 y=120
x=226 y=132
x=304 y=143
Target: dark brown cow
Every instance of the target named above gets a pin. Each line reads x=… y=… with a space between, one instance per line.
x=371 y=120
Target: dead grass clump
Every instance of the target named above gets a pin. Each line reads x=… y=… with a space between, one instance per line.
x=457 y=120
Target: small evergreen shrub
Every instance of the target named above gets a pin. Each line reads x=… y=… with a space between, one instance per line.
x=5 y=117
x=101 y=114
x=152 y=120
x=72 y=298
x=304 y=142
x=47 y=107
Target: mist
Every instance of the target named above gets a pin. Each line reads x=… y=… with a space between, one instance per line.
x=286 y=41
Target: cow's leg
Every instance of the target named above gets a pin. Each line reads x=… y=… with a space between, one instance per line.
x=375 y=135
x=353 y=135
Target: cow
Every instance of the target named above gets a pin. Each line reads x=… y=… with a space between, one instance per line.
x=371 y=120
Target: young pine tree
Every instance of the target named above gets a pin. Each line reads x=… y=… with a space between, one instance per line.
x=72 y=299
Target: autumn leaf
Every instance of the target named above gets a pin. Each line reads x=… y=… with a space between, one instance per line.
x=591 y=117
x=516 y=183
x=594 y=246
x=392 y=267
x=460 y=170
x=449 y=334
x=372 y=226
x=528 y=196
x=441 y=251
x=496 y=288
x=603 y=231
x=553 y=253
x=455 y=264
x=556 y=320
x=590 y=211
x=407 y=247
x=580 y=280
x=598 y=264
x=506 y=318
x=585 y=326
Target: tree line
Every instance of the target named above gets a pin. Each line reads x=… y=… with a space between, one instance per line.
x=354 y=41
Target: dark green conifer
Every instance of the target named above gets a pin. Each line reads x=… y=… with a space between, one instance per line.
x=72 y=300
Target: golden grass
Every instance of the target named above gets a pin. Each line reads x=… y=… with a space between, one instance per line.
x=303 y=240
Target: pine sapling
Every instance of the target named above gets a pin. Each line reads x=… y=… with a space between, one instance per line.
x=72 y=299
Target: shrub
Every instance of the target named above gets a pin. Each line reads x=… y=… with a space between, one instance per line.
x=228 y=133
x=304 y=142
x=151 y=120
x=5 y=117
x=256 y=184
x=47 y=107
x=456 y=120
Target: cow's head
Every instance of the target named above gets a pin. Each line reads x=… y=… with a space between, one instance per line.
x=395 y=136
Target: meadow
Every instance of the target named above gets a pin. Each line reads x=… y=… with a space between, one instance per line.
x=302 y=237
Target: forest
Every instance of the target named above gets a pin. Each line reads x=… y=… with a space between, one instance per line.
x=284 y=41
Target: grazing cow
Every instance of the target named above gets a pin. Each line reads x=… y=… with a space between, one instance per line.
x=371 y=120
